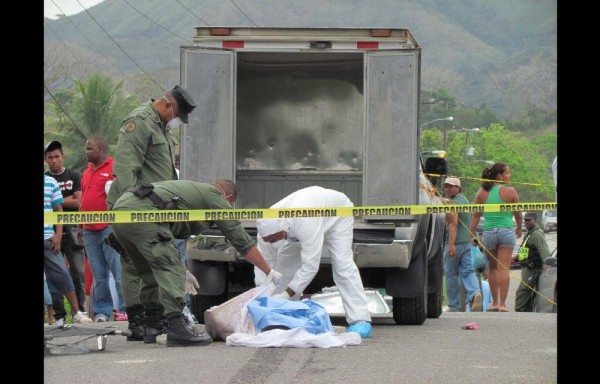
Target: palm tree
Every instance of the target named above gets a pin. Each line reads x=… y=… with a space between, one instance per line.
x=96 y=106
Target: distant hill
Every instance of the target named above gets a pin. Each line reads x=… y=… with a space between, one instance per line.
x=464 y=42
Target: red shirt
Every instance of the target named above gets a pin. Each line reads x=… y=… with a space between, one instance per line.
x=93 y=197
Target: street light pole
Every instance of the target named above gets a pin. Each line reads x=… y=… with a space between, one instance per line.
x=449 y=118
x=470 y=151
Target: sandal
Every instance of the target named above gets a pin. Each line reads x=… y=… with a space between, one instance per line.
x=493 y=310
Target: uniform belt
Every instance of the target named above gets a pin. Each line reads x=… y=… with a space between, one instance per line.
x=147 y=190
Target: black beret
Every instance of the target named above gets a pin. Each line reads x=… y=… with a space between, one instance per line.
x=185 y=103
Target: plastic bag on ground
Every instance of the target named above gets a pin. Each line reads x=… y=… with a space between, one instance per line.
x=232 y=316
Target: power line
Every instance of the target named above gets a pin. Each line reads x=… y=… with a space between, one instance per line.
x=77 y=59
x=61 y=108
x=243 y=13
x=84 y=35
x=190 y=11
x=121 y=48
x=157 y=24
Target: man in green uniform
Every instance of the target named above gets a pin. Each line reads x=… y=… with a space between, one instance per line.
x=153 y=251
x=532 y=253
x=146 y=152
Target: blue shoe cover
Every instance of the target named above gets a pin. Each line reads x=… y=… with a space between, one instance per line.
x=363 y=329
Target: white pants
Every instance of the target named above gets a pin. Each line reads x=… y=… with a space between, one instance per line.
x=337 y=246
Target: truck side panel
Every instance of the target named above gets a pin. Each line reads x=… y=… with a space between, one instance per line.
x=209 y=76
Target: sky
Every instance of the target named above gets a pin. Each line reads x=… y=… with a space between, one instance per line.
x=69 y=7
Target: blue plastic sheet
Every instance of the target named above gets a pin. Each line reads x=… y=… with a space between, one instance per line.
x=270 y=311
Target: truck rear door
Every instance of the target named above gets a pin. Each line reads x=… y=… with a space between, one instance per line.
x=209 y=76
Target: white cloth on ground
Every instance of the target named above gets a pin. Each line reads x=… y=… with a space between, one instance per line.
x=295 y=338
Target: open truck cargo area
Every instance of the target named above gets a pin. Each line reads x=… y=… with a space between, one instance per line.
x=281 y=109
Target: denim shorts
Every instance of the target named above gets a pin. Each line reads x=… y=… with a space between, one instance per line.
x=494 y=237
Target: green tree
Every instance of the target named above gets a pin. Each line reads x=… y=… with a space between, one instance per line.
x=529 y=164
x=94 y=106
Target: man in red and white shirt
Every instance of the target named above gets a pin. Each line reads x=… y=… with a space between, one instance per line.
x=104 y=259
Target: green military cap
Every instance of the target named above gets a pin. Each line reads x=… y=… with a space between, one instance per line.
x=184 y=102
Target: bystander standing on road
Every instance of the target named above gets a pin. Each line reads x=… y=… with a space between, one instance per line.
x=103 y=258
x=531 y=255
x=55 y=269
x=499 y=234
x=69 y=181
x=457 y=251
x=145 y=152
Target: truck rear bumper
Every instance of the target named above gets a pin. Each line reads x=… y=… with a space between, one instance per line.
x=396 y=253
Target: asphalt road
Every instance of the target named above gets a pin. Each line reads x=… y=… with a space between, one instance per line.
x=507 y=348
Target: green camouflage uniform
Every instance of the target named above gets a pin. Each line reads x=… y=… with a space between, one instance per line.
x=531 y=268
x=145 y=151
x=152 y=247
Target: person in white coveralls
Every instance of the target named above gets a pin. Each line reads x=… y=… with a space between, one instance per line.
x=294 y=246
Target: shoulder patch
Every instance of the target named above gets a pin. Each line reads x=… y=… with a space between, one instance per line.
x=130 y=127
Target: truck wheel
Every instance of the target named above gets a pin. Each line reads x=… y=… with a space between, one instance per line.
x=200 y=303
x=434 y=305
x=435 y=271
x=409 y=311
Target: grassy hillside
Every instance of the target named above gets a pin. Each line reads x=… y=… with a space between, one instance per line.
x=468 y=40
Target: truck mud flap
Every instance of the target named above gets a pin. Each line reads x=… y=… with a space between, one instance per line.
x=409 y=282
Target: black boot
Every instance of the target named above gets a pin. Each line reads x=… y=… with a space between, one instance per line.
x=180 y=336
x=153 y=325
x=135 y=316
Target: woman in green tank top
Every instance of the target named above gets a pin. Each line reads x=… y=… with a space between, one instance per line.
x=499 y=233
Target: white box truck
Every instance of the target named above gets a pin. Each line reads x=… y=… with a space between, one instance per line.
x=280 y=109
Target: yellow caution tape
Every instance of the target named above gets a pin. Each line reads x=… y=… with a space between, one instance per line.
x=96 y=217
x=480 y=179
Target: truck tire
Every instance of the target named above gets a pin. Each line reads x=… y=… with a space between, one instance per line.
x=435 y=272
x=409 y=303
x=213 y=290
x=434 y=305
x=200 y=303
x=409 y=311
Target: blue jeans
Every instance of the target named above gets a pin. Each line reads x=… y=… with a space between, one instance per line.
x=47 y=297
x=181 y=246
x=460 y=267
x=103 y=260
x=57 y=275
